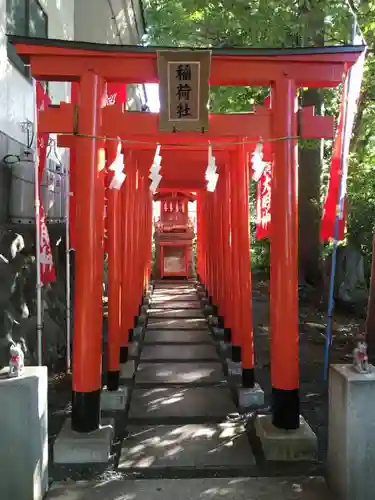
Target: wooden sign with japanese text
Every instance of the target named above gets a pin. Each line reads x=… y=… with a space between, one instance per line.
x=184 y=90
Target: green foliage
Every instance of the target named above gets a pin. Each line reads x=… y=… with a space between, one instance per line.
x=285 y=23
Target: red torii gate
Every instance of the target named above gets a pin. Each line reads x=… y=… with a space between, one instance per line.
x=218 y=260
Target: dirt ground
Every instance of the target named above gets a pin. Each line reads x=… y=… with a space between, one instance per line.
x=313 y=388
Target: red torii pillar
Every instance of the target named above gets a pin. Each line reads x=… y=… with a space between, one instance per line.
x=284 y=259
x=87 y=341
x=115 y=290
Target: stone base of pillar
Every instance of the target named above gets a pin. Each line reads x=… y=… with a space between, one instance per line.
x=250 y=398
x=114 y=400
x=218 y=333
x=213 y=320
x=146 y=300
x=234 y=368
x=84 y=448
x=225 y=349
x=138 y=333
x=143 y=310
x=142 y=320
x=285 y=446
x=134 y=349
x=127 y=371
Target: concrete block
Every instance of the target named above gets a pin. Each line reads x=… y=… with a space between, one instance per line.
x=24 y=435
x=142 y=319
x=250 y=398
x=84 y=448
x=114 y=400
x=286 y=446
x=213 y=320
x=225 y=348
x=218 y=333
x=138 y=333
x=351 y=433
x=134 y=349
x=234 y=368
x=127 y=370
x=144 y=309
x=146 y=300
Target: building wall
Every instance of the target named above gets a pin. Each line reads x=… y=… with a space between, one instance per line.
x=82 y=20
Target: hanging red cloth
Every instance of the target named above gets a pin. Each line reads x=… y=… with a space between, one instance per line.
x=47 y=268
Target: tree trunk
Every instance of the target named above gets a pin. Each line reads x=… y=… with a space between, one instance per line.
x=370 y=319
x=310 y=157
x=310 y=169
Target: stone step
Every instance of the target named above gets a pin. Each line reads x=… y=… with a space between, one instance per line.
x=188 y=352
x=178 y=337
x=180 y=373
x=175 y=313
x=173 y=324
x=192 y=304
x=182 y=403
x=193 y=445
x=174 y=297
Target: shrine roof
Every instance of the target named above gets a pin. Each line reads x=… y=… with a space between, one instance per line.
x=223 y=51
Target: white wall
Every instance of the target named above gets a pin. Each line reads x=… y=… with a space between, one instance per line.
x=16 y=98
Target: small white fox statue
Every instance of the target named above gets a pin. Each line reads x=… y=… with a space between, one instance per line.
x=17 y=360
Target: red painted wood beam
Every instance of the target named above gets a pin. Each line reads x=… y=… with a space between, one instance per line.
x=67 y=64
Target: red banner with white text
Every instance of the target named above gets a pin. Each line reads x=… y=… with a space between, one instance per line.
x=335 y=204
x=47 y=269
x=262 y=173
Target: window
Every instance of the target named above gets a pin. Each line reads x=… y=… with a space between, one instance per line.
x=25 y=18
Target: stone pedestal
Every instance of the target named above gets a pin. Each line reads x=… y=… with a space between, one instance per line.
x=127 y=371
x=250 y=398
x=133 y=350
x=84 y=448
x=114 y=400
x=286 y=446
x=24 y=435
x=351 y=433
x=234 y=368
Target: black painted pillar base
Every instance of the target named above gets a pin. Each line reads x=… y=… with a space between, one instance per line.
x=113 y=380
x=131 y=335
x=227 y=335
x=124 y=354
x=285 y=408
x=248 y=378
x=209 y=300
x=85 y=411
x=236 y=353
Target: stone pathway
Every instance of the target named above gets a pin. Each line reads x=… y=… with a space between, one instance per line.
x=178 y=439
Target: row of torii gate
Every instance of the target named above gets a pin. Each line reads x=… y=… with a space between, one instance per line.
x=224 y=265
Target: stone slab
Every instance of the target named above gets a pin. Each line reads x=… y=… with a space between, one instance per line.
x=170 y=298
x=76 y=448
x=24 y=435
x=285 y=446
x=250 y=398
x=175 y=313
x=177 y=352
x=351 y=433
x=218 y=333
x=179 y=373
x=177 y=336
x=183 y=402
x=234 y=368
x=114 y=400
x=134 y=349
x=193 y=445
x=172 y=324
x=191 y=304
x=239 y=488
x=127 y=370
